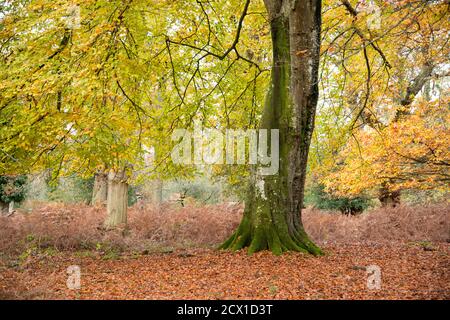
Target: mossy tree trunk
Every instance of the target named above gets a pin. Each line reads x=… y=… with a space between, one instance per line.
x=100 y=189
x=272 y=215
x=117 y=200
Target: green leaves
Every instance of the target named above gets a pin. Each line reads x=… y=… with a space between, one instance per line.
x=100 y=93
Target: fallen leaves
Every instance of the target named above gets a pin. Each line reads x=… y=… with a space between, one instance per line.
x=407 y=272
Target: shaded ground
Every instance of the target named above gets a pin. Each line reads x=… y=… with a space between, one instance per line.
x=409 y=271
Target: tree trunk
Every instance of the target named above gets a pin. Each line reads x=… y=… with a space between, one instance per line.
x=117 y=200
x=4 y=207
x=100 y=190
x=159 y=191
x=11 y=207
x=272 y=215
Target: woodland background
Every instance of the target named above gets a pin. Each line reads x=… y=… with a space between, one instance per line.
x=89 y=88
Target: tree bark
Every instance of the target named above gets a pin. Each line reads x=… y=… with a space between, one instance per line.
x=4 y=207
x=100 y=190
x=117 y=200
x=272 y=215
x=10 y=207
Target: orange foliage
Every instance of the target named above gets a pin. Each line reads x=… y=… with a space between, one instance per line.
x=412 y=153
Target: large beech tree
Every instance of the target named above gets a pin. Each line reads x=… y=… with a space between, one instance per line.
x=272 y=216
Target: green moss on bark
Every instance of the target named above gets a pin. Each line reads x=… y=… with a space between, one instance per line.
x=269 y=221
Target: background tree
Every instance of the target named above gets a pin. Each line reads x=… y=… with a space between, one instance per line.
x=371 y=78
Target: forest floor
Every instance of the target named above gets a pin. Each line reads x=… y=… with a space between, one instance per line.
x=167 y=252
x=408 y=271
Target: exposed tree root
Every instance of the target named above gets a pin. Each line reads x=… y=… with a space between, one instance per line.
x=269 y=237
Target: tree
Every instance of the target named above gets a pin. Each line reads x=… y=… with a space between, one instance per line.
x=100 y=189
x=272 y=216
x=93 y=98
x=81 y=90
x=373 y=79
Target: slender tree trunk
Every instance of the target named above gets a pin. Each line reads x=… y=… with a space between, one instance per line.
x=159 y=191
x=4 y=207
x=11 y=207
x=100 y=190
x=117 y=200
x=272 y=216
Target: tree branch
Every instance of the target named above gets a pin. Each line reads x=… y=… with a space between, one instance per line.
x=358 y=31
